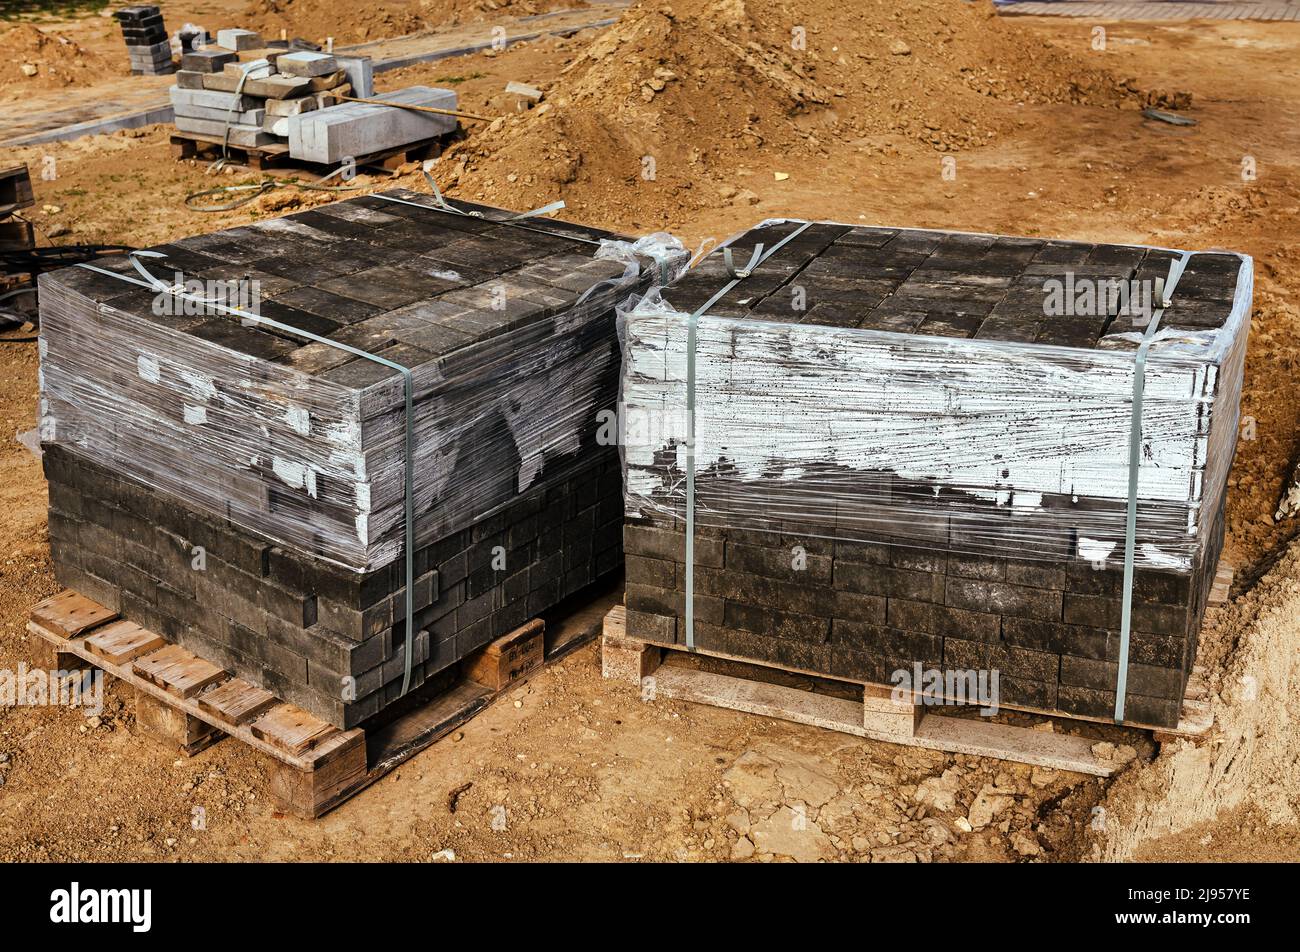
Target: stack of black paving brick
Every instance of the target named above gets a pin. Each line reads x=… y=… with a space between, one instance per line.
x=903 y=456
x=146 y=40
x=239 y=489
x=865 y=610
x=326 y=639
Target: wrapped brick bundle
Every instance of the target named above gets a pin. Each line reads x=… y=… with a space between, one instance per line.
x=912 y=447
x=172 y=425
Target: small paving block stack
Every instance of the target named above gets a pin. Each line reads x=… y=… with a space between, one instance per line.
x=912 y=447
x=15 y=195
x=146 y=40
x=240 y=490
x=253 y=94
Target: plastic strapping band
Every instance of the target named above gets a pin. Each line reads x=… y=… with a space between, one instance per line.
x=1163 y=293
x=154 y=284
x=692 y=322
x=440 y=204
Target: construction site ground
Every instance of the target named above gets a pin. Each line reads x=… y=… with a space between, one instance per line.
x=689 y=122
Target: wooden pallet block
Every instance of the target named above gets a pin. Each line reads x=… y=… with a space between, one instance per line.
x=161 y=722
x=510 y=657
x=1222 y=584
x=879 y=715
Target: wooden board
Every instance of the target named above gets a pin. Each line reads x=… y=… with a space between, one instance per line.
x=1195 y=721
x=237 y=701
x=121 y=642
x=290 y=727
x=70 y=614
x=178 y=671
x=316 y=767
x=190 y=706
x=936 y=732
x=188 y=145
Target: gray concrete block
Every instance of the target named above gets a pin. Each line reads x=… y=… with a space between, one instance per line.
x=211 y=99
x=361 y=74
x=279 y=108
x=239 y=135
x=249 y=117
x=253 y=69
x=357 y=129
x=306 y=63
x=189 y=79
x=239 y=40
x=207 y=61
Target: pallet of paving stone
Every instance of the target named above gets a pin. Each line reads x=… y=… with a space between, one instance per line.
x=912 y=446
x=275 y=155
x=186 y=702
x=228 y=550
x=864 y=709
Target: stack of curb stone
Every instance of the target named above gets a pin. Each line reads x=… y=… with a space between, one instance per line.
x=146 y=40
x=253 y=97
x=240 y=489
x=906 y=454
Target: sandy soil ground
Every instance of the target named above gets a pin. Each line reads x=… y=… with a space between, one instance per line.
x=571 y=767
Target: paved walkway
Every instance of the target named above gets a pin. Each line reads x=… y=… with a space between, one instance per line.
x=1160 y=9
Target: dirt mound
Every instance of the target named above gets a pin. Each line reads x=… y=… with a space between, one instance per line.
x=370 y=20
x=43 y=59
x=673 y=94
x=1249 y=760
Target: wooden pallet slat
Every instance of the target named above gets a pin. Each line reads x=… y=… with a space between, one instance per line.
x=236 y=701
x=178 y=671
x=121 y=642
x=70 y=614
x=290 y=727
x=188 y=145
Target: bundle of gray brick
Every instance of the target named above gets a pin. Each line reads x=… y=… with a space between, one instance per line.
x=297 y=97
x=147 y=43
x=903 y=458
x=240 y=489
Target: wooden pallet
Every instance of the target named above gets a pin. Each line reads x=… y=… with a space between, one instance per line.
x=189 y=145
x=861 y=708
x=190 y=704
